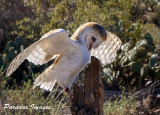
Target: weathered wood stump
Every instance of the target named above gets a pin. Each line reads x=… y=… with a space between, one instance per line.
x=88 y=100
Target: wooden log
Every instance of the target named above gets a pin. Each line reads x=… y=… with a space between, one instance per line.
x=94 y=88
x=88 y=100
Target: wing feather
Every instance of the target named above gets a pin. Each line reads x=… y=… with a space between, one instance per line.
x=63 y=71
x=43 y=50
x=106 y=52
x=19 y=59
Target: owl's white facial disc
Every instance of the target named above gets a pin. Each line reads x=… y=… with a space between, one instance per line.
x=93 y=40
x=90 y=34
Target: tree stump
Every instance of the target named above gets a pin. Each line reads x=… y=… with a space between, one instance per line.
x=88 y=99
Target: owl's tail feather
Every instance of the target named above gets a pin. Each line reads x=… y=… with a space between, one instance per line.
x=48 y=85
x=44 y=81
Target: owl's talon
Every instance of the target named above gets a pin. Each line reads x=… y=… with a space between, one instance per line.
x=68 y=93
x=67 y=90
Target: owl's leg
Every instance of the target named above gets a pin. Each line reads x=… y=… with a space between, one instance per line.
x=67 y=90
x=69 y=93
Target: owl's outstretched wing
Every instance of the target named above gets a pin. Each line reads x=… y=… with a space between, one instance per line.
x=40 y=52
x=106 y=51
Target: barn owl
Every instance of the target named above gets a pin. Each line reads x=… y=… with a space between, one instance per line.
x=71 y=54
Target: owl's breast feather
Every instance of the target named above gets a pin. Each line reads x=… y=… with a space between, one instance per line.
x=85 y=56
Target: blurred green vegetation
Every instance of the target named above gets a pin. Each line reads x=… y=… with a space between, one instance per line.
x=136 y=22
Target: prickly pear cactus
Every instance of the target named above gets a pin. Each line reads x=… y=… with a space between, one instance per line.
x=144 y=71
x=135 y=63
x=135 y=66
x=11 y=44
x=1 y=60
x=19 y=42
x=153 y=60
x=11 y=53
x=26 y=69
x=149 y=38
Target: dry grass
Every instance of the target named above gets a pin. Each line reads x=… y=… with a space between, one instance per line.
x=124 y=106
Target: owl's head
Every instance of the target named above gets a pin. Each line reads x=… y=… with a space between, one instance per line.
x=91 y=33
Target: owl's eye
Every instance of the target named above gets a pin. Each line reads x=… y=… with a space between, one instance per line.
x=93 y=39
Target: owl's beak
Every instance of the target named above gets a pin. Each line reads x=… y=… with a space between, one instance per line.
x=90 y=46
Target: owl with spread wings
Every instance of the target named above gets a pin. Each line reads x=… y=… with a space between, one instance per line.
x=71 y=54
